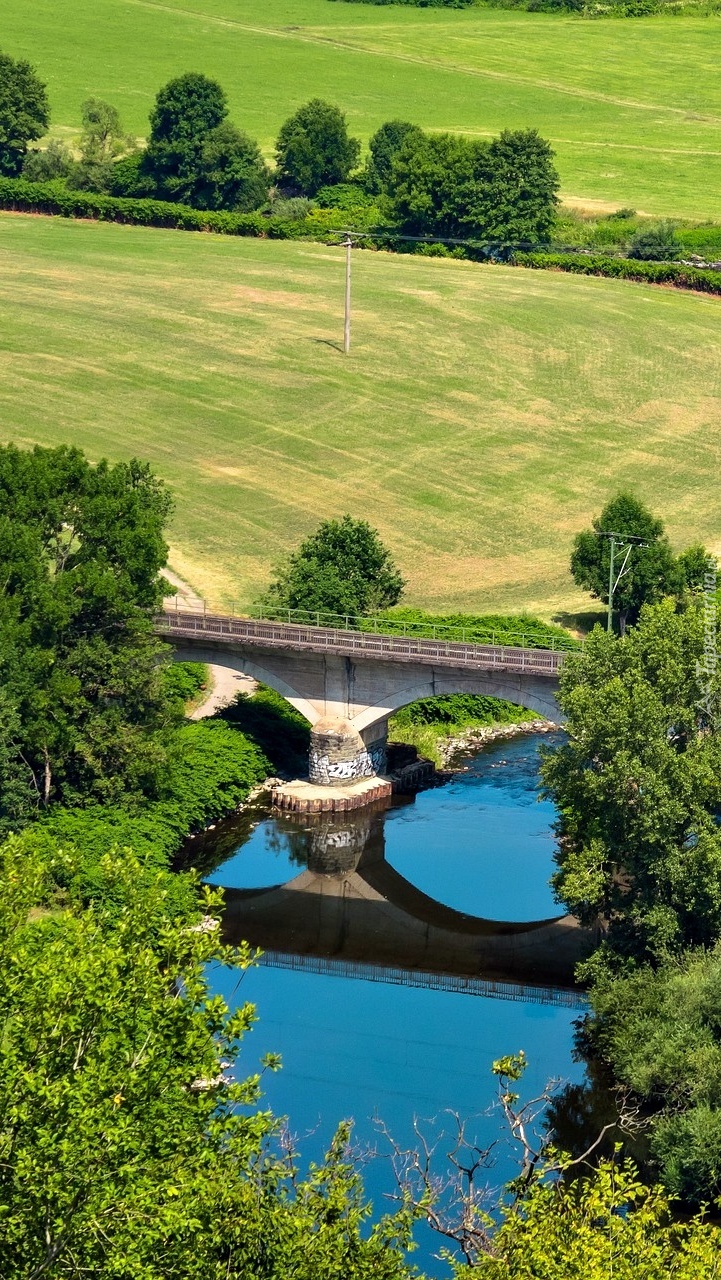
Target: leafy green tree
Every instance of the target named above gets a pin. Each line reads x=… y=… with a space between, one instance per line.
x=128 y=1146
x=103 y=137
x=698 y=568
x=446 y=185
x=24 y=112
x=313 y=148
x=521 y=187
x=341 y=568
x=638 y=787
x=186 y=110
x=81 y=547
x=384 y=146
x=231 y=173
x=55 y=161
x=433 y=181
x=651 y=570
x=607 y=1224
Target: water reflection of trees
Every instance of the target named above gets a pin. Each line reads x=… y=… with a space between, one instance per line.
x=579 y=1112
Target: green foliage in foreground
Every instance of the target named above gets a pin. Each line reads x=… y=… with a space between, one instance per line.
x=211 y=769
x=83 y=709
x=660 y=1030
x=638 y=786
x=128 y=1147
x=593 y=1228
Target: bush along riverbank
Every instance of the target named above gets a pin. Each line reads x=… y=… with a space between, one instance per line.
x=440 y=728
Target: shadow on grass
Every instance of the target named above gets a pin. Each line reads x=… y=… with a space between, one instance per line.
x=326 y=342
x=579 y=624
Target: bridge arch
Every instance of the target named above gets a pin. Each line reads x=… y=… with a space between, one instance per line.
x=248 y=665
x=534 y=695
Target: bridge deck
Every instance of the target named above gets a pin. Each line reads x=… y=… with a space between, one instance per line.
x=224 y=629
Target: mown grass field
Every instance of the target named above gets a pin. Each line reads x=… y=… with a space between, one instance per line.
x=633 y=107
x=485 y=413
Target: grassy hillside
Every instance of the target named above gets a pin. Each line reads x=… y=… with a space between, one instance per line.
x=633 y=107
x=485 y=413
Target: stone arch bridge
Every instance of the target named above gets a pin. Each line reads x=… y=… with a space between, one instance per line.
x=347 y=683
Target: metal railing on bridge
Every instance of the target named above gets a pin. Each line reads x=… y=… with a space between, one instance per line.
x=472 y=985
x=194 y=624
x=474 y=632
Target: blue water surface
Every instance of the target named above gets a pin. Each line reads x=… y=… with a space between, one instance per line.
x=368 y=1051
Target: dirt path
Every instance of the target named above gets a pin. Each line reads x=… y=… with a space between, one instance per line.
x=225 y=684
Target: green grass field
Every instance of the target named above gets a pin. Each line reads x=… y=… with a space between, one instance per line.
x=633 y=107
x=485 y=413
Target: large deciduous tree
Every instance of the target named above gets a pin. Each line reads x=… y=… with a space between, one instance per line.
x=82 y=701
x=231 y=172
x=313 y=149
x=24 y=112
x=195 y=155
x=342 y=568
x=651 y=572
x=186 y=110
x=446 y=185
x=638 y=785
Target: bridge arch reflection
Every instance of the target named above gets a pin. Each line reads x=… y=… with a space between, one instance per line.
x=348 y=910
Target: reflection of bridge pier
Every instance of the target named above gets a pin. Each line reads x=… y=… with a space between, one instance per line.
x=349 y=905
x=347 y=683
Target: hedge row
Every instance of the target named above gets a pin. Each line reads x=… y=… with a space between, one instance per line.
x=515 y=630
x=54 y=198
x=702 y=279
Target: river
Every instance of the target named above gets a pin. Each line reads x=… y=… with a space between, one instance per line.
x=377 y=1046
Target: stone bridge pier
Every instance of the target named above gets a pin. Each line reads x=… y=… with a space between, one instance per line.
x=348 y=696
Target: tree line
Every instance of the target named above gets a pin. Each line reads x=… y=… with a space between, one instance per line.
x=440 y=185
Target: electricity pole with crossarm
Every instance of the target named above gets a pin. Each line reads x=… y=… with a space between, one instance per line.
x=620 y=540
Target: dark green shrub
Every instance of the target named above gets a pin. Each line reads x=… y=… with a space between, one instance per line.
x=702 y=279
x=654 y=244
x=129 y=178
x=56 y=161
x=347 y=196
x=184 y=680
x=274 y=727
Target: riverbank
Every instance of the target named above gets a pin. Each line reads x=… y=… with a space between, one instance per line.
x=440 y=728
x=473 y=738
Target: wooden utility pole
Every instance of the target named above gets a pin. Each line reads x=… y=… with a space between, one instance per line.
x=346 y=331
